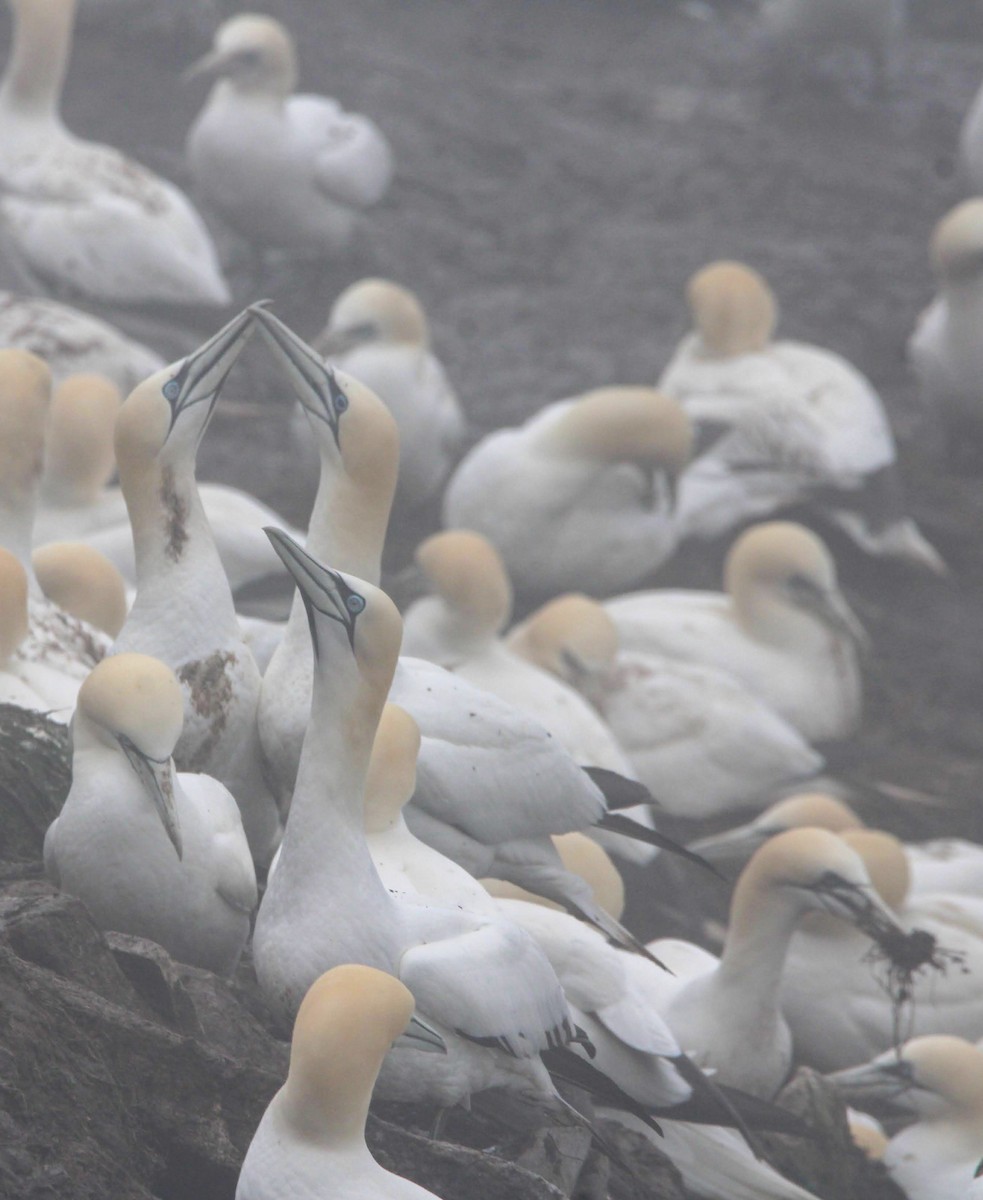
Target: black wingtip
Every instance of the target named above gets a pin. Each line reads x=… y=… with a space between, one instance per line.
x=570 y=1067
x=618 y=823
x=618 y=790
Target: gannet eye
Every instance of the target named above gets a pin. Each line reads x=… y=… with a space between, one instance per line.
x=355 y=604
x=172 y=389
x=341 y=402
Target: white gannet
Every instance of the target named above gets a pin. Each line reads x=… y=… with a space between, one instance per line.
x=378 y=332
x=486 y=987
x=944 y=348
x=310 y=1143
x=939 y=1081
x=80 y=217
x=834 y=998
x=799 y=31
x=947 y=865
x=83 y=582
x=581 y=495
x=150 y=852
x=13 y=629
x=72 y=342
x=183 y=611
x=781 y=423
x=286 y=171
x=726 y=1012
x=782 y=627
x=697 y=739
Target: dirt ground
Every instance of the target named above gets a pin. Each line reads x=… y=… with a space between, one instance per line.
x=563 y=166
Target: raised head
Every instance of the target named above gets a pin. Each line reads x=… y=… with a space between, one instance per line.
x=82 y=581
x=573 y=637
x=79 y=459
x=133 y=703
x=392 y=769
x=13 y=605
x=374 y=310
x=934 y=1076
x=254 y=53
x=733 y=309
x=466 y=571
x=956 y=247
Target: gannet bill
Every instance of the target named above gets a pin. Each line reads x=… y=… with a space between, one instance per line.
x=378 y=332
x=311 y=1139
x=286 y=171
x=939 y=1081
x=150 y=852
x=183 y=611
x=83 y=218
x=781 y=423
x=581 y=496
x=782 y=628
x=487 y=989
x=696 y=738
x=72 y=342
x=83 y=582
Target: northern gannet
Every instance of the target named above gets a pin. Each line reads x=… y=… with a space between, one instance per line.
x=939 y=1081
x=310 y=1143
x=79 y=217
x=486 y=987
x=781 y=423
x=726 y=1012
x=287 y=171
x=697 y=738
x=782 y=627
x=183 y=611
x=581 y=495
x=14 y=689
x=83 y=582
x=150 y=852
x=378 y=332
x=72 y=342
x=944 y=348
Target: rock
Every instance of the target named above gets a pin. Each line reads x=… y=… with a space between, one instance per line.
x=35 y=775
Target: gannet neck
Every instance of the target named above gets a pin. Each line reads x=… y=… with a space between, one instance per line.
x=32 y=83
x=762 y=922
x=13 y=605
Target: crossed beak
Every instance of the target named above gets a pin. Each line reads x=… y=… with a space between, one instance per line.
x=312 y=381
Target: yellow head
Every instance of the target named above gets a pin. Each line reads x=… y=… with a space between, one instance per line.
x=80 y=456
x=733 y=309
x=83 y=582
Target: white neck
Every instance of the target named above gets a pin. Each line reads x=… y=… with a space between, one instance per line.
x=38 y=61
x=754 y=953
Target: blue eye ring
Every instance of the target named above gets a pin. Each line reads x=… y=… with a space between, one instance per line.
x=341 y=402
x=171 y=389
x=355 y=604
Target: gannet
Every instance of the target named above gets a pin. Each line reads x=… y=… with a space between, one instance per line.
x=79 y=217
x=781 y=423
x=798 y=31
x=782 y=628
x=725 y=1012
x=944 y=348
x=580 y=497
x=939 y=1081
x=83 y=582
x=286 y=171
x=150 y=852
x=697 y=739
x=71 y=342
x=971 y=145
x=950 y=865
x=310 y=1143
x=183 y=611
x=583 y=857
x=485 y=986
x=834 y=998
x=378 y=332
x=13 y=629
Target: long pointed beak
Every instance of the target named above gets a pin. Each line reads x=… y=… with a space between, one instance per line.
x=323 y=591
x=330 y=343
x=863 y=907
x=210 y=66
x=871 y=1081
x=420 y=1036
x=199 y=377
x=740 y=842
x=157 y=777
x=841 y=616
x=310 y=379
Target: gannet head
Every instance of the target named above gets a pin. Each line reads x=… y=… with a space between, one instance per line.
x=346 y=1024
x=13 y=605
x=467 y=573
x=733 y=309
x=956 y=247
x=79 y=459
x=780 y=567
x=25 y=393
x=584 y=857
x=254 y=53
x=806 y=809
x=133 y=704
x=391 y=780
x=934 y=1076
x=82 y=581
x=374 y=310
x=347 y=616
x=572 y=637
x=821 y=873
x=167 y=414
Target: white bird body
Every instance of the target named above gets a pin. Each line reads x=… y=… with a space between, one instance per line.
x=82 y=217
x=290 y=171
x=577 y=498
x=109 y=846
x=971 y=144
